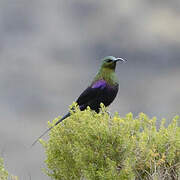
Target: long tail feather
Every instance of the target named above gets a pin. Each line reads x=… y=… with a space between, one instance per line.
x=64 y=117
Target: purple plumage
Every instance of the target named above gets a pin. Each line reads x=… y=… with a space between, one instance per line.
x=100 y=84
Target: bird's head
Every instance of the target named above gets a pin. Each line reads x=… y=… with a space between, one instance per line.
x=109 y=62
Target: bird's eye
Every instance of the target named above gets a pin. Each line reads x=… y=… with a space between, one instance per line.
x=109 y=60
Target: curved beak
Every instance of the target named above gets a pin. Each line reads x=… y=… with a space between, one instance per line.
x=121 y=60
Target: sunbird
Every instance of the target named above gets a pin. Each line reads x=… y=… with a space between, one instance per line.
x=103 y=89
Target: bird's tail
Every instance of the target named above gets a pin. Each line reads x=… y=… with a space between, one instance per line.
x=64 y=117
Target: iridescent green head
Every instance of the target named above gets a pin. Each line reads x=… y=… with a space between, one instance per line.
x=109 y=62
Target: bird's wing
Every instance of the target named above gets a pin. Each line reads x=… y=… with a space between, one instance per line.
x=92 y=92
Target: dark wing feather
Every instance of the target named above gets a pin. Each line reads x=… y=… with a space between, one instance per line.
x=87 y=96
x=91 y=96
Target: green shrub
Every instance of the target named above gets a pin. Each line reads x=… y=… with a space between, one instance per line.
x=3 y=172
x=93 y=146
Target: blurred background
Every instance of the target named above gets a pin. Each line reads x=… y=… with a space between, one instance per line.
x=51 y=50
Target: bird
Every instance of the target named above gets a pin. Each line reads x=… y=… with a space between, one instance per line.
x=103 y=89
